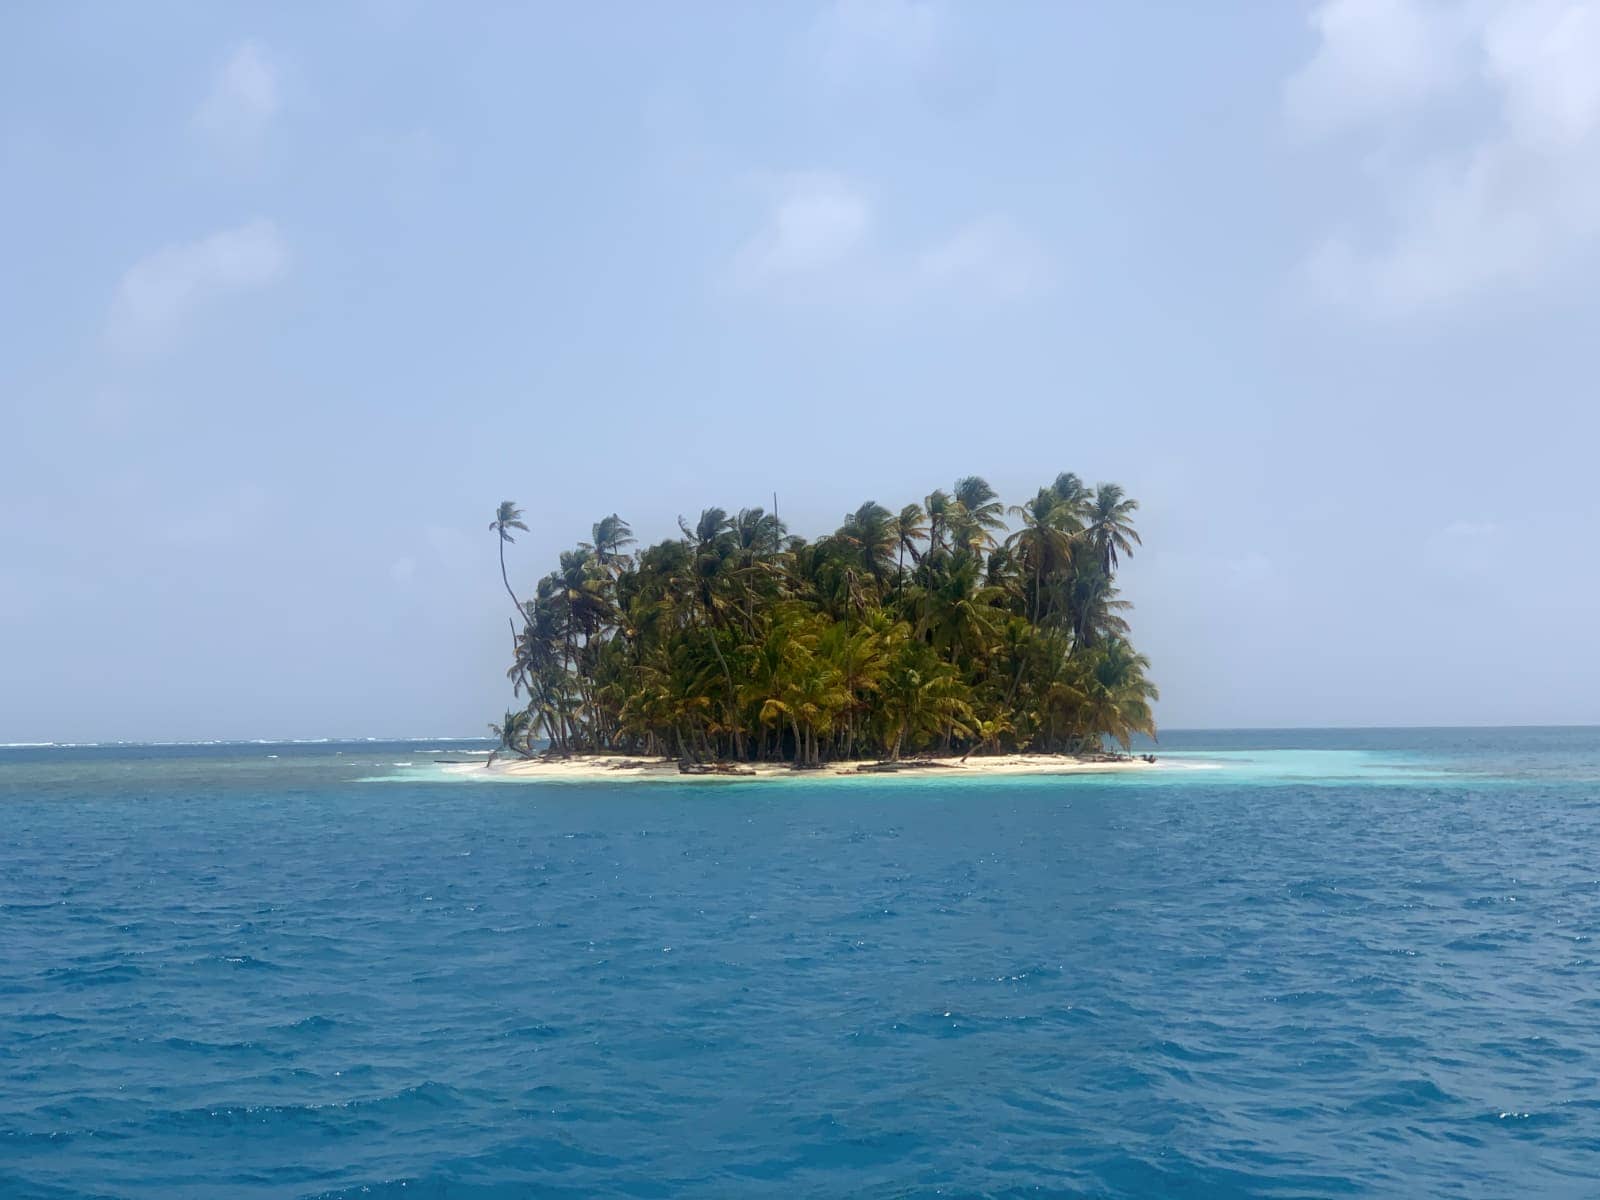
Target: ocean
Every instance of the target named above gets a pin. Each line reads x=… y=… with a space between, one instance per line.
x=1287 y=964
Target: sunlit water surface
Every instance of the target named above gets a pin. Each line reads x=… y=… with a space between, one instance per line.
x=1285 y=964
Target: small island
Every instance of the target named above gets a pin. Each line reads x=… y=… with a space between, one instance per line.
x=941 y=636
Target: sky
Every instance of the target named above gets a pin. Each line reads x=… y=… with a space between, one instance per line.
x=294 y=295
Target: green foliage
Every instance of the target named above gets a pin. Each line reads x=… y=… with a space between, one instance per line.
x=929 y=629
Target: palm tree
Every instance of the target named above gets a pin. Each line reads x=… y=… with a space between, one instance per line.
x=1072 y=492
x=1109 y=516
x=713 y=537
x=940 y=508
x=513 y=731
x=959 y=612
x=858 y=655
x=758 y=533
x=981 y=512
x=910 y=525
x=611 y=537
x=506 y=518
x=1116 y=693
x=922 y=697
x=1092 y=606
x=871 y=529
x=1044 y=543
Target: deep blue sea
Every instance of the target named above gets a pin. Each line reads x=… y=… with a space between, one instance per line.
x=1289 y=964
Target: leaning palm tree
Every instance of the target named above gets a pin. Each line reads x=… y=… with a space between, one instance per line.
x=514 y=730
x=506 y=518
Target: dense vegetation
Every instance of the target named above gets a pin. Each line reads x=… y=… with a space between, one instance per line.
x=934 y=628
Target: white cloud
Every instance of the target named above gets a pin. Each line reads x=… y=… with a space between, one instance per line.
x=1375 y=58
x=158 y=293
x=819 y=241
x=817 y=221
x=876 y=41
x=244 y=97
x=1507 y=205
x=1544 y=56
x=989 y=258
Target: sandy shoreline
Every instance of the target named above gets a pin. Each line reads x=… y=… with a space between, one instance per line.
x=595 y=768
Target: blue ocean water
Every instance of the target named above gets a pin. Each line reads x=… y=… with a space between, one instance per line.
x=1298 y=964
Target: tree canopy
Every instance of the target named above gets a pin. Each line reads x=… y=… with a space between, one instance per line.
x=934 y=628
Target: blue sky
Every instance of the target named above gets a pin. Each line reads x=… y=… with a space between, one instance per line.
x=293 y=296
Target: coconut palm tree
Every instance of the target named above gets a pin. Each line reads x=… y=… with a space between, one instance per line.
x=1109 y=517
x=940 y=507
x=1044 y=543
x=611 y=538
x=713 y=544
x=980 y=512
x=1116 y=694
x=506 y=518
x=513 y=731
x=909 y=526
x=872 y=530
x=1072 y=492
x=922 y=697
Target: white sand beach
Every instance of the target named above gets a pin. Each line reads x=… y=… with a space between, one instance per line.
x=591 y=768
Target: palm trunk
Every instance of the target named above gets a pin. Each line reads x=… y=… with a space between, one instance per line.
x=516 y=659
x=507 y=581
x=727 y=676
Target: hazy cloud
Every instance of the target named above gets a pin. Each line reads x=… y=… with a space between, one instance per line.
x=244 y=97
x=1374 y=59
x=816 y=221
x=819 y=240
x=220 y=520
x=1505 y=205
x=874 y=41
x=158 y=293
x=1465 y=548
x=989 y=259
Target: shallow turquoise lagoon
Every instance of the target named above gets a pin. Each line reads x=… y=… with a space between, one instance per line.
x=1286 y=964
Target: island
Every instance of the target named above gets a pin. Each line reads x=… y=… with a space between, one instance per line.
x=942 y=635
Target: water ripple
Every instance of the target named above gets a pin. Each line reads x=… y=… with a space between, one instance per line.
x=271 y=981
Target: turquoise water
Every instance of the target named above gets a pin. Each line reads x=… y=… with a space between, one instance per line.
x=1286 y=964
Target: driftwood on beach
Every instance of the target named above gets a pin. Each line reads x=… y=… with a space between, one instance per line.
x=686 y=767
